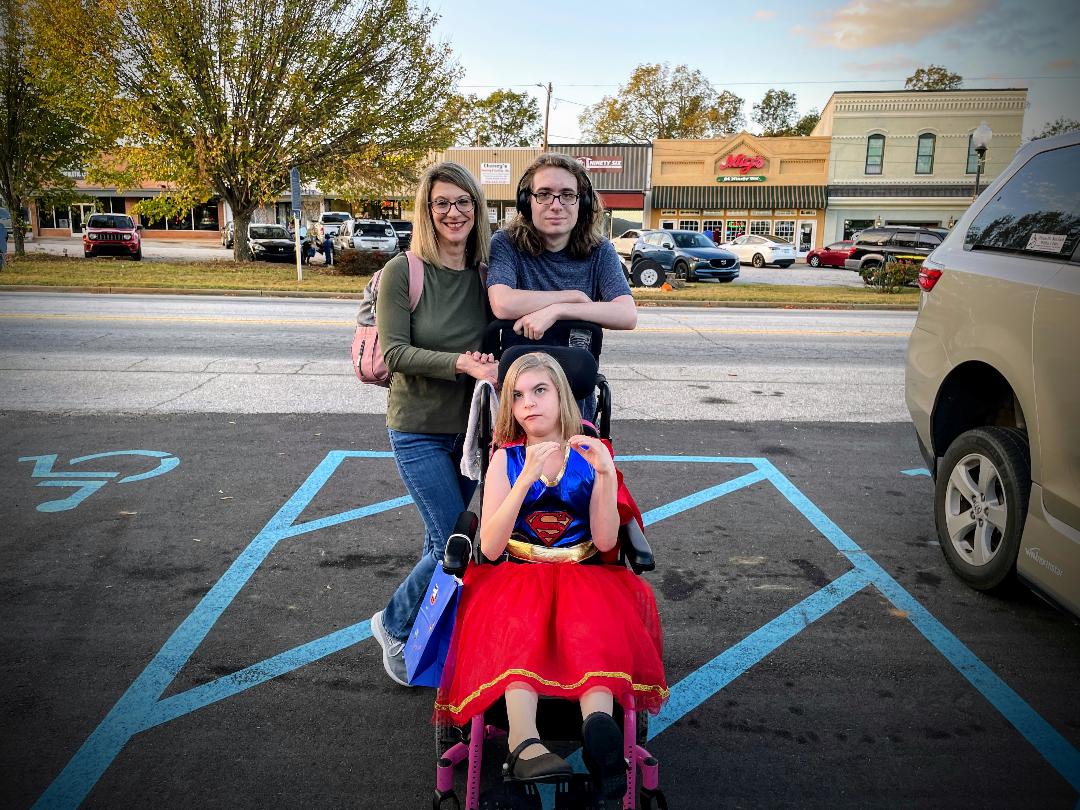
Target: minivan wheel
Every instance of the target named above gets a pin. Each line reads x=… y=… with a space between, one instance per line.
x=981 y=503
x=758 y=260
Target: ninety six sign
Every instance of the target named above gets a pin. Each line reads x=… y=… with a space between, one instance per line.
x=602 y=164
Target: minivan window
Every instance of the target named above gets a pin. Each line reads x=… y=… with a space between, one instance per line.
x=1037 y=211
x=928 y=240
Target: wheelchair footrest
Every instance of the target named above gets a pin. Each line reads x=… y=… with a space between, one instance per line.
x=575 y=793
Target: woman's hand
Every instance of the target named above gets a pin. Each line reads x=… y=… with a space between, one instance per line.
x=535 y=456
x=594 y=452
x=479 y=366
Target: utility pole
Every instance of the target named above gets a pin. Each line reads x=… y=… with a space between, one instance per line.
x=547 y=114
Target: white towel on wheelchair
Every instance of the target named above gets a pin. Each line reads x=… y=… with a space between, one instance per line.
x=471 y=452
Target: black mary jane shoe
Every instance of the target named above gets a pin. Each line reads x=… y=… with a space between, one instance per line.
x=547 y=767
x=603 y=754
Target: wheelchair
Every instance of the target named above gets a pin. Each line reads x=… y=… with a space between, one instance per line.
x=576 y=346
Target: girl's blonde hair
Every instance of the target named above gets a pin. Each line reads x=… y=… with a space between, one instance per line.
x=425 y=239
x=507 y=428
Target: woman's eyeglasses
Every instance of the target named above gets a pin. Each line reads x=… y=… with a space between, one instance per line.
x=441 y=206
x=547 y=198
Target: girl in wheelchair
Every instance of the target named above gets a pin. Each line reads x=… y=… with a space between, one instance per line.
x=550 y=619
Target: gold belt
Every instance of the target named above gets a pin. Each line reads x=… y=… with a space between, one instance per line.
x=530 y=552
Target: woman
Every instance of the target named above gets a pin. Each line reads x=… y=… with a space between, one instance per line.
x=432 y=355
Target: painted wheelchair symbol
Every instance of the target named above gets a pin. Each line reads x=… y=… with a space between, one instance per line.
x=86 y=483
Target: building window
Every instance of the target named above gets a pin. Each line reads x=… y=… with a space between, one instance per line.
x=735 y=228
x=714 y=225
x=760 y=227
x=875 y=153
x=924 y=160
x=181 y=222
x=973 y=156
x=151 y=224
x=785 y=229
x=46 y=218
x=688 y=224
x=206 y=216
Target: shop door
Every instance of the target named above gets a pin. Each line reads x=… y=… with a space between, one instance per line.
x=80 y=212
x=805 y=235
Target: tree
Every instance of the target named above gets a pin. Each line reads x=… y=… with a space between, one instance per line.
x=806 y=124
x=1058 y=127
x=776 y=112
x=934 y=77
x=504 y=118
x=224 y=97
x=45 y=126
x=659 y=102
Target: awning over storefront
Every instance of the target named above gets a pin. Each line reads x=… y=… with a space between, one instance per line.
x=716 y=198
x=632 y=200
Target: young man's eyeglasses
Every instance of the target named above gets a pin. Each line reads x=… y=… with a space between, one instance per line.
x=547 y=198
x=441 y=206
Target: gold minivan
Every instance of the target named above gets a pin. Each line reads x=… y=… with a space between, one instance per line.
x=993 y=378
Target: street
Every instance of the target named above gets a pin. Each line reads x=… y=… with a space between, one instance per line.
x=201 y=516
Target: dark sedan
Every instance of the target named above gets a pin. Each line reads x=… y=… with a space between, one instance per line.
x=688 y=254
x=271 y=242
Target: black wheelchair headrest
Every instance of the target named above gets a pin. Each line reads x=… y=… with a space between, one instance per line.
x=578 y=365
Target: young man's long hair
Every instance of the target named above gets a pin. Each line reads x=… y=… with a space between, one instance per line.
x=425 y=239
x=588 y=232
x=507 y=428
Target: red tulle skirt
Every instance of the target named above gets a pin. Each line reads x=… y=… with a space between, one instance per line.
x=561 y=628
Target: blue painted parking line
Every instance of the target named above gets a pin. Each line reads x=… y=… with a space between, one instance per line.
x=141 y=708
x=916 y=472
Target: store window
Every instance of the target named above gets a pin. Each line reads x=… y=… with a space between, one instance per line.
x=734 y=229
x=688 y=225
x=713 y=225
x=151 y=224
x=181 y=222
x=853 y=226
x=875 y=154
x=785 y=229
x=761 y=227
x=46 y=218
x=206 y=216
x=924 y=159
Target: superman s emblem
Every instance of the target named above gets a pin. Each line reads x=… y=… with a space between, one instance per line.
x=549 y=526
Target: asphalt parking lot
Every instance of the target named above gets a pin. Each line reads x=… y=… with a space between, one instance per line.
x=197 y=636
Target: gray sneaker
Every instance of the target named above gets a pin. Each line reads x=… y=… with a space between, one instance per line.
x=393 y=651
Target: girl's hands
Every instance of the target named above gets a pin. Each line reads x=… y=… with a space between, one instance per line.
x=535 y=456
x=594 y=452
x=479 y=366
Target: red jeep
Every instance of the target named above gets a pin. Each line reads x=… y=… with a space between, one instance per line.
x=112 y=233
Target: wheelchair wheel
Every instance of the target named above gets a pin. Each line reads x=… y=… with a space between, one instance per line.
x=642 y=728
x=447 y=735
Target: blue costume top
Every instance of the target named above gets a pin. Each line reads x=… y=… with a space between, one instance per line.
x=555 y=516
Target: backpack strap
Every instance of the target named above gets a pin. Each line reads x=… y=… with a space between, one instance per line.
x=416 y=279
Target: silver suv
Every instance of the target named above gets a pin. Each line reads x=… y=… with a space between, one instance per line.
x=993 y=378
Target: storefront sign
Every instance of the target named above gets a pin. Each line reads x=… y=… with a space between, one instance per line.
x=493 y=215
x=808 y=212
x=601 y=164
x=495 y=174
x=765 y=212
x=744 y=163
x=739 y=178
x=667 y=213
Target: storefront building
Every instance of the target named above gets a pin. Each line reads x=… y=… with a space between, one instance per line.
x=498 y=171
x=620 y=174
x=906 y=157
x=742 y=184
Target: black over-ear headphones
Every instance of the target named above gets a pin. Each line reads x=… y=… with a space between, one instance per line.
x=524 y=199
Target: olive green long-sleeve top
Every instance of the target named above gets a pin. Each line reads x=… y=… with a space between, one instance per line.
x=421 y=348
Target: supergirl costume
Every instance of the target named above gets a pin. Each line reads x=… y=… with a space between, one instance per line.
x=559 y=621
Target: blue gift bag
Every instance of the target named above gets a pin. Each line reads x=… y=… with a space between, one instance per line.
x=425 y=651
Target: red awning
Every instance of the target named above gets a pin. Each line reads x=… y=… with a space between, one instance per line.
x=632 y=200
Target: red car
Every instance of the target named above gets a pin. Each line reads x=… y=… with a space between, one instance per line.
x=831 y=255
x=112 y=233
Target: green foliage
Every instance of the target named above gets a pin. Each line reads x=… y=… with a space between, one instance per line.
x=504 y=118
x=356 y=263
x=806 y=124
x=892 y=276
x=776 y=112
x=658 y=102
x=1058 y=127
x=934 y=77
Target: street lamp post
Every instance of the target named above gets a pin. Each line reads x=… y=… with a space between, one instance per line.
x=980 y=139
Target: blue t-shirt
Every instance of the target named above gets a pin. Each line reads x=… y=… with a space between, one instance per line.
x=600 y=276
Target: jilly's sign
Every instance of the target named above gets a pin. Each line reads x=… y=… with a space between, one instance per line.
x=744 y=163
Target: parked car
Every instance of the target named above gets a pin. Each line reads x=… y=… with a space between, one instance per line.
x=271 y=243
x=624 y=242
x=329 y=223
x=403 y=229
x=688 y=254
x=874 y=246
x=112 y=233
x=228 y=235
x=367 y=235
x=992 y=371
x=763 y=249
x=832 y=255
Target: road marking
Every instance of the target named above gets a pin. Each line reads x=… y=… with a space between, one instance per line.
x=672 y=330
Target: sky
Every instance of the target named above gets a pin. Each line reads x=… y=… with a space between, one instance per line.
x=809 y=47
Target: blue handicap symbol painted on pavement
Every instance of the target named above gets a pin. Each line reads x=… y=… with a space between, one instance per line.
x=87 y=482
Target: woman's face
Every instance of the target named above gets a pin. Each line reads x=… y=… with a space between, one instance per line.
x=454 y=226
x=536 y=403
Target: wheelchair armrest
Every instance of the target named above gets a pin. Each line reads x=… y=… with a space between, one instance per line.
x=459 y=545
x=635 y=549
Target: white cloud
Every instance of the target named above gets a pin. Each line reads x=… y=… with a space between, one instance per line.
x=872 y=23
x=764 y=15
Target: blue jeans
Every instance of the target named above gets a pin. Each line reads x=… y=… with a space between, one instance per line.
x=428 y=464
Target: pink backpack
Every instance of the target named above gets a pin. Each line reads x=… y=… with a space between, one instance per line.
x=367 y=356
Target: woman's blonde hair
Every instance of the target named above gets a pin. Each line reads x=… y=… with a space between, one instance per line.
x=425 y=239
x=588 y=231
x=507 y=428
